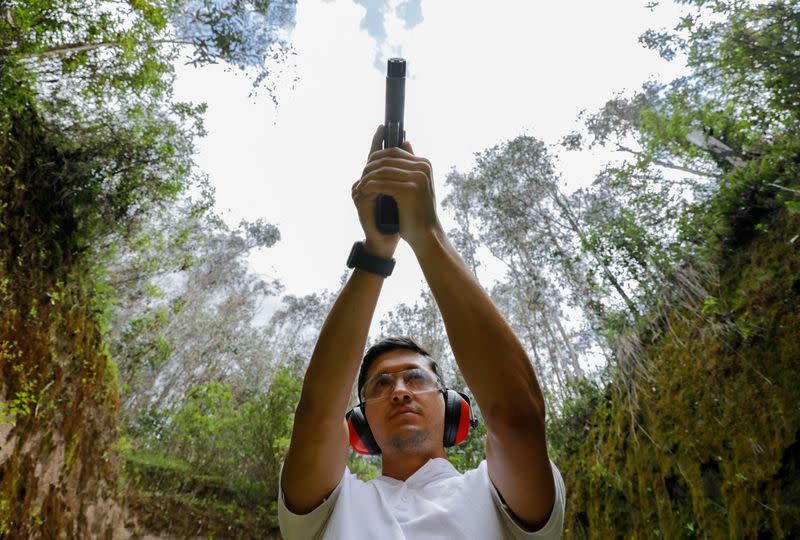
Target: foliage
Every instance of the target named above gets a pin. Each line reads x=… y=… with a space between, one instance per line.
x=469 y=454
x=92 y=146
x=52 y=199
x=216 y=446
x=102 y=251
x=105 y=50
x=742 y=93
x=712 y=449
x=169 y=498
x=186 y=305
x=294 y=328
x=423 y=323
x=568 y=428
x=364 y=467
x=243 y=33
x=702 y=441
x=511 y=204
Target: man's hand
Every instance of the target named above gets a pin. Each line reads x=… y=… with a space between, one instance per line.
x=396 y=172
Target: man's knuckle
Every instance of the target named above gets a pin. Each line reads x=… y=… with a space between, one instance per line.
x=411 y=187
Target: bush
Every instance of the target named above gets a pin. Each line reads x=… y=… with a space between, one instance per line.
x=234 y=440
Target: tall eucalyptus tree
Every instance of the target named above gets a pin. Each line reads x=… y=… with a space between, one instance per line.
x=510 y=203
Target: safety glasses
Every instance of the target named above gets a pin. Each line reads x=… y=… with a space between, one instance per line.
x=415 y=380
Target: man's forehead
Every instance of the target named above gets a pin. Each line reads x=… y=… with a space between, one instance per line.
x=397 y=360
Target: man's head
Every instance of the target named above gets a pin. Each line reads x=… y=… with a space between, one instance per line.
x=404 y=421
x=391 y=344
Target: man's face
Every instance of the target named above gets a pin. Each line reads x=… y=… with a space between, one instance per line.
x=405 y=422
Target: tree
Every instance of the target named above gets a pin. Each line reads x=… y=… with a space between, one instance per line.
x=683 y=142
x=511 y=204
x=88 y=41
x=720 y=145
x=189 y=319
x=294 y=328
x=424 y=324
x=91 y=147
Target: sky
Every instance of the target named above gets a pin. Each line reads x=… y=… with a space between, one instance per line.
x=478 y=74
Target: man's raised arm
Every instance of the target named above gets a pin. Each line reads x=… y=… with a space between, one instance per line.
x=317 y=453
x=318 y=449
x=497 y=369
x=494 y=363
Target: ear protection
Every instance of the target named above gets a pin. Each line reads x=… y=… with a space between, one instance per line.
x=458 y=418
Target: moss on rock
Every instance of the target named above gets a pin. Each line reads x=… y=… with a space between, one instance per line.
x=711 y=447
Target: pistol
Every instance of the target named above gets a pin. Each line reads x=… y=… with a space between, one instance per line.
x=387 y=218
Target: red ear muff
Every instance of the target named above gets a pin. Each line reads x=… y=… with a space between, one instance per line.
x=361 y=438
x=464 y=422
x=458 y=417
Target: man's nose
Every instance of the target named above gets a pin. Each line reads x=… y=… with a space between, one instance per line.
x=400 y=392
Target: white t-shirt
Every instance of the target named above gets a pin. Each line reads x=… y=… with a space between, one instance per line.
x=436 y=502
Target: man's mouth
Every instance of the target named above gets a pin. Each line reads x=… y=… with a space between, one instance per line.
x=402 y=412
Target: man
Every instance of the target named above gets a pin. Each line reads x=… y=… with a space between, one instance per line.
x=515 y=493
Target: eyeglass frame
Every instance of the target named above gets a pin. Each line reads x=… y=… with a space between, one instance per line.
x=439 y=386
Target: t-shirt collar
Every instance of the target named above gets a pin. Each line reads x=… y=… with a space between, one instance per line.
x=434 y=469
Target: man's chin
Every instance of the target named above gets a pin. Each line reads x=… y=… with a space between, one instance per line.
x=409 y=438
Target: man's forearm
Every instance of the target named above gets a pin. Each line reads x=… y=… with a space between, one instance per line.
x=337 y=354
x=490 y=356
x=318 y=450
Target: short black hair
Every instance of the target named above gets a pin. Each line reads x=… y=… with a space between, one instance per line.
x=390 y=344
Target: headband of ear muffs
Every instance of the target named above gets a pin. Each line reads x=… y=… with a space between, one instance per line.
x=458 y=418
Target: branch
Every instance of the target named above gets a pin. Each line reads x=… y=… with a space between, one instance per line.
x=667 y=164
x=80 y=47
x=716 y=148
x=784 y=188
x=575 y=226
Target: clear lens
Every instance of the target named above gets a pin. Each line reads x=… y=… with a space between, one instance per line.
x=382 y=385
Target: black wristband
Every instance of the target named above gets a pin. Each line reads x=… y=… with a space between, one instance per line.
x=359 y=258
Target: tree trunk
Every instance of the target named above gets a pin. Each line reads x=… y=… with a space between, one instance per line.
x=58 y=386
x=606 y=271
